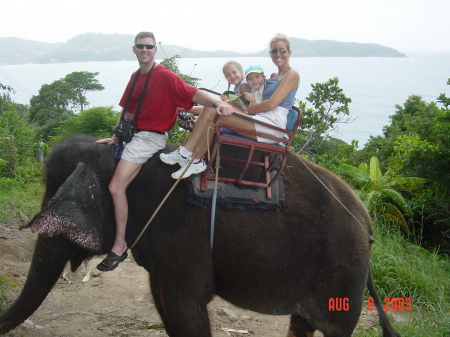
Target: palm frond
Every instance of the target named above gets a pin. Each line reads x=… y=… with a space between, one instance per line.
x=398 y=199
x=375 y=172
x=372 y=199
x=410 y=180
x=359 y=176
x=393 y=213
x=363 y=167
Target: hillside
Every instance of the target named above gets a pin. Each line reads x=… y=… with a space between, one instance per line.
x=116 y=47
x=14 y=50
x=328 y=48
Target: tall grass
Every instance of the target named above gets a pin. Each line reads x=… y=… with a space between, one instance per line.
x=19 y=198
x=404 y=270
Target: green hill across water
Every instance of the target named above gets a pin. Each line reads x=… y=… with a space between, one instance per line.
x=116 y=47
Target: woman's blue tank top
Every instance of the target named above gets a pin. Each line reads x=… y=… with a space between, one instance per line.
x=272 y=85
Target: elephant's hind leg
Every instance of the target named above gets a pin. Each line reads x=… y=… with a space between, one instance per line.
x=299 y=327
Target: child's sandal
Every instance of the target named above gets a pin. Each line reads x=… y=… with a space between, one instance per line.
x=186 y=124
x=185 y=116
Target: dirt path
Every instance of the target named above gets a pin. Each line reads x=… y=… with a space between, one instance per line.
x=119 y=303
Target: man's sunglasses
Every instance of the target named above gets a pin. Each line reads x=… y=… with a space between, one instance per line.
x=142 y=46
x=274 y=51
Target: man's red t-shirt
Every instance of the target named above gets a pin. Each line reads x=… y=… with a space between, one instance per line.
x=165 y=93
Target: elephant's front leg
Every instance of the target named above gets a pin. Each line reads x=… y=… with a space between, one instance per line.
x=183 y=313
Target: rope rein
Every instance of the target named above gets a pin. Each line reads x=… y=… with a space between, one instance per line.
x=172 y=188
x=334 y=196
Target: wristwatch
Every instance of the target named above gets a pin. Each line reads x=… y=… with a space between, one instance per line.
x=214 y=104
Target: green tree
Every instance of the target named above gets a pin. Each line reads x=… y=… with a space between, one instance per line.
x=5 y=99
x=16 y=142
x=443 y=98
x=378 y=192
x=81 y=82
x=416 y=117
x=6 y=87
x=51 y=104
x=417 y=143
x=61 y=99
x=98 y=121
x=416 y=128
x=335 y=152
x=172 y=64
x=330 y=107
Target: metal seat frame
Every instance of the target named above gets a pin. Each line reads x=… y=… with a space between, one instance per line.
x=274 y=155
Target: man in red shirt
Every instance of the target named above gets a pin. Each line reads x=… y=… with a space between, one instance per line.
x=165 y=93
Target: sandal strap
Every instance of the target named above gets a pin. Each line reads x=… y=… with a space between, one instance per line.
x=186 y=124
x=185 y=115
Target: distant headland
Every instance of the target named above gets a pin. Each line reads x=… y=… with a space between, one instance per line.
x=90 y=47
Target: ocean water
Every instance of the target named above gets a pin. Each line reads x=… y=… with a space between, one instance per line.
x=375 y=85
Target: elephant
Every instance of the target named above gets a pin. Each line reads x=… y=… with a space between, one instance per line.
x=291 y=261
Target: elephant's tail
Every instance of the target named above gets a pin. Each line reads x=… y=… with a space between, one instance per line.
x=388 y=329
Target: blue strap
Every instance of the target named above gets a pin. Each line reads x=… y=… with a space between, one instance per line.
x=119 y=150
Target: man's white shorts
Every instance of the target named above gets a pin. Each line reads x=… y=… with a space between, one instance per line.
x=143 y=146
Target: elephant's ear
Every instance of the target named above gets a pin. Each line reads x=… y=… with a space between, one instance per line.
x=75 y=212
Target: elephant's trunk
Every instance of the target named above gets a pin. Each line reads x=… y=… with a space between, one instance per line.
x=49 y=259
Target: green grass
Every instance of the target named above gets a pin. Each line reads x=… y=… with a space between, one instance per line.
x=153 y=326
x=404 y=270
x=18 y=197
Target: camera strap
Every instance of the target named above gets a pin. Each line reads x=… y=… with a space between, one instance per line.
x=141 y=97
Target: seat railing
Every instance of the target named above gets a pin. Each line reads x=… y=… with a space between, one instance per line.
x=279 y=147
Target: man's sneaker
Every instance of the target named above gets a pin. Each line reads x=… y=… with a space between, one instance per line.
x=174 y=157
x=193 y=169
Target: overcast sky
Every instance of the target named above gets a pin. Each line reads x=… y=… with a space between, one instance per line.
x=242 y=25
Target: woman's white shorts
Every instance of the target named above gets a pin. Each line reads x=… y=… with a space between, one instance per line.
x=276 y=117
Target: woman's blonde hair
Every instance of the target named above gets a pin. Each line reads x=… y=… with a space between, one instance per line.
x=281 y=37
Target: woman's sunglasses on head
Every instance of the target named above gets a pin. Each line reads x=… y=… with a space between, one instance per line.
x=281 y=51
x=142 y=46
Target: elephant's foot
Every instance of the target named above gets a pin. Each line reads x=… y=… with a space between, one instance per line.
x=299 y=327
x=291 y=334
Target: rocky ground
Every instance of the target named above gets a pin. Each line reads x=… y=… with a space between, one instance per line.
x=119 y=303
